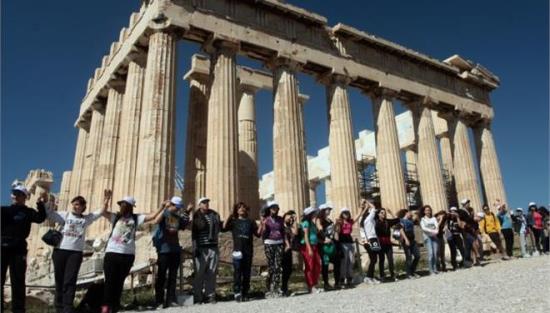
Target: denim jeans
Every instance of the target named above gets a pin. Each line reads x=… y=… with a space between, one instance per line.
x=412 y=255
x=432 y=245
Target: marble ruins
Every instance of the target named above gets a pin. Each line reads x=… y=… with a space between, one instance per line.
x=126 y=125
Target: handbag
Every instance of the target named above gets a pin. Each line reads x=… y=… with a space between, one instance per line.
x=52 y=237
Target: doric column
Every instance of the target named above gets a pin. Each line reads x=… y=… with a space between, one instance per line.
x=302 y=100
x=105 y=172
x=388 y=157
x=443 y=134
x=155 y=162
x=313 y=193
x=288 y=142
x=64 y=191
x=410 y=162
x=128 y=143
x=432 y=186
x=248 y=154
x=489 y=165
x=93 y=146
x=222 y=132
x=79 y=161
x=465 y=173
x=343 y=164
x=195 y=151
x=328 y=190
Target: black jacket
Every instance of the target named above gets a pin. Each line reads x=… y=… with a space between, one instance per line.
x=16 y=224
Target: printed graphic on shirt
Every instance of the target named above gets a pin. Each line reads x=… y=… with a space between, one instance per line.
x=124 y=231
x=74 y=228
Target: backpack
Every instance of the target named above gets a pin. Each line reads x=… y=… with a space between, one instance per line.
x=158 y=235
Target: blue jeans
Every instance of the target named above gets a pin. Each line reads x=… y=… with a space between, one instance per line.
x=412 y=255
x=432 y=245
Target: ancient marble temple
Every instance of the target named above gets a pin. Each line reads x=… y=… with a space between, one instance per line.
x=126 y=125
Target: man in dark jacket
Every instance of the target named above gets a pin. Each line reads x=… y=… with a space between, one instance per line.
x=16 y=226
x=205 y=231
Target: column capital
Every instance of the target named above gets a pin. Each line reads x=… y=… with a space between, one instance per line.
x=382 y=92
x=99 y=105
x=335 y=79
x=218 y=45
x=483 y=123
x=284 y=62
x=303 y=98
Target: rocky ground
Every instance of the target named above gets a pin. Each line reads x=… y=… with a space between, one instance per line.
x=520 y=285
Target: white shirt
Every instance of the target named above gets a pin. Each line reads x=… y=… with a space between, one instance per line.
x=122 y=239
x=429 y=226
x=368 y=230
x=74 y=228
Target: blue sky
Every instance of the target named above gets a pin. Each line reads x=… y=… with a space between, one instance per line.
x=51 y=48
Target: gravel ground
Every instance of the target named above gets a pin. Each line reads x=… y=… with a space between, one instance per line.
x=521 y=285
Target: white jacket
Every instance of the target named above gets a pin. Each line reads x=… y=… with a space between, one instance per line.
x=367 y=230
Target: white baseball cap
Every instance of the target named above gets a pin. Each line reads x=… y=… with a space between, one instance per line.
x=519 y=209
x=325 y=206
x=21 y=188
x=272 y=204
x=464 y=201
x=310 y=210
x=532 y=204
x=128 y=199
x=342 y=210
x=453 y=208
x=203 y=199
x=177 y=201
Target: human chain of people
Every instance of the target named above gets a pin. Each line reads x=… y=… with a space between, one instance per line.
x=320 y=241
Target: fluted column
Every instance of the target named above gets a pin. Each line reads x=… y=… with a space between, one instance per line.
x=302 y=99
x=410 y=162
x=248 y=151
x=155 y=162
x=388 y=158
x=288 y=149
x=195 y=151
x=93 y=151
x=79 y=161
x=328 y=190
x=128 y=143
x=343 y=165
x=489 y=165
x=64 y=191
x=465 y=174
x=432 y=186
x=222 y=132
x=105 y=172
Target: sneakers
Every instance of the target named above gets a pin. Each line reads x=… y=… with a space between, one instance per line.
x=371 y=281
x=238 y=297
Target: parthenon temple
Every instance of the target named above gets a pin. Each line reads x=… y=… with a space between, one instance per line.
x=126 y=125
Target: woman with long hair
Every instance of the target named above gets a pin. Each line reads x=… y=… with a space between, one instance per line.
x=343 y=236
x=290 y=233
x=309 y=249
x=430 y=229
x=121 y=248
x=383 y=230
x=243 y=229
x=271 y=228
x=369 y=238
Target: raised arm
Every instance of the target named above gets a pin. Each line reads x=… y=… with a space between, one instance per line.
x=152 y=216
x=40 y=216
x=107 y=195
